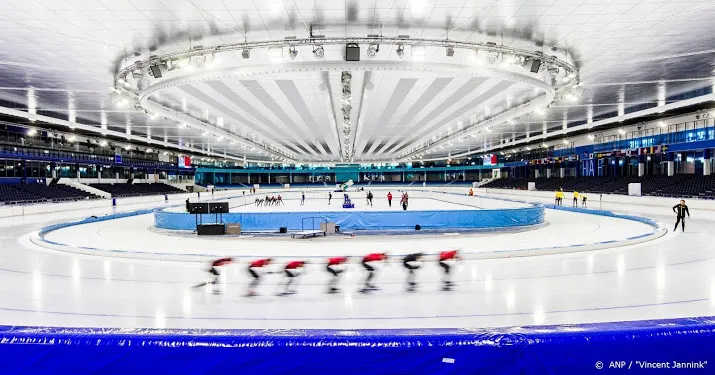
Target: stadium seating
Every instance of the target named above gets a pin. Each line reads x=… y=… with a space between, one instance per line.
x=35 y=193
x=685 y=185
x=134 y=190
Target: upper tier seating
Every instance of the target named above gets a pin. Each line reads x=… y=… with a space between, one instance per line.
x=685 y=185
x=134 y=190
x=35 y=193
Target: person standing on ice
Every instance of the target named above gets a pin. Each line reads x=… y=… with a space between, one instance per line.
x=366 y=263
x=254 y=269
x=335 y=267
x=575 y=198
x=369 y=198
x=412 y=262
x=389 y=198
x=292 y=270
x=302 y=198
x=680 y=209
x=214 y=272
x=445 y=258
x=330 y=197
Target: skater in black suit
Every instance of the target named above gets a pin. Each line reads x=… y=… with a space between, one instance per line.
x=411 y=262
x=681 y=209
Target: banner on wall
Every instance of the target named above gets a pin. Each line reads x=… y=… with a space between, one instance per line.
x=496 y=173
x=490 y=159
x=587 y=168
x=184 y=162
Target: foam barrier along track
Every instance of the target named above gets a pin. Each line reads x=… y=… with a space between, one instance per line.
x=562 y=349
x=508 y=215
x=657 y=232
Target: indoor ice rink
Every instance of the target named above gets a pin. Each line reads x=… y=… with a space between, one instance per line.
x=362 y=187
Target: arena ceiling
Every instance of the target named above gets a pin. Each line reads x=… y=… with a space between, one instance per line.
x=60 y=58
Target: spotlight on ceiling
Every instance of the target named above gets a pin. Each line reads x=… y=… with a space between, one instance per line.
x=292 y=52
x=401 y=50
x=372 y=50
x=318 y=52
x=155 y=70
x=352 y=52
x=450 y=51
x=492 y=57
x=533 y=65
x=103 y=144
x=31 y=132
x=246 y=53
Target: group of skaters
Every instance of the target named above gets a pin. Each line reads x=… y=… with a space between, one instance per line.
x=335 y=266
x=269 y=201
x=680 y=209
x=560 y=198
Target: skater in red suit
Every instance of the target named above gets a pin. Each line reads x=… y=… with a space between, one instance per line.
x=370 y=258
x=335 y=267
x=292 y=270
x=389 y=198
x=445 y=258
x=214 y=272
x=254 y=269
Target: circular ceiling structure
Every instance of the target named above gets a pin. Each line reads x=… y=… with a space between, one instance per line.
x=320 y=108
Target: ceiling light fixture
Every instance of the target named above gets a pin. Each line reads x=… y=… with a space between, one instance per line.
x=292 y=52
x=401 y=50
x=246 y=53
x=103 y=144
x=449 y=51
x=31 y=132
x=492 y=57
x=318 y=52
x=372 y=50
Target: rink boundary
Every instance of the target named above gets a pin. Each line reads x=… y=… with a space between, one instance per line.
x=567 y=348
x=658 y=231
x=515 y=214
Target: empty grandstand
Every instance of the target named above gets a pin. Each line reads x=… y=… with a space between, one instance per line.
x=36 y=193
x=135 y=190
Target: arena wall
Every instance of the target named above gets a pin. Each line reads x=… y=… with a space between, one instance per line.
x=565 y=349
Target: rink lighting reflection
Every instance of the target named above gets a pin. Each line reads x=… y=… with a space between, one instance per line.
x=107 y=269
x=37 y=286
x=160 y=319
x=510 y=299
x=488 y=282
x=76 y=278
x=186 y=305
x=539 y=315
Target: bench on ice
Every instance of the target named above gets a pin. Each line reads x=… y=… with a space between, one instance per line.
x=324 y=227
x=304 y=234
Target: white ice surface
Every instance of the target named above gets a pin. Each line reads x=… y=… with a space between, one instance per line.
x=668 y=277
x=564 y=229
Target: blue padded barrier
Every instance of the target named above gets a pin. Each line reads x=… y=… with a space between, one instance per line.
x=561 y=349
x=362 y=220
x=93 y=219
